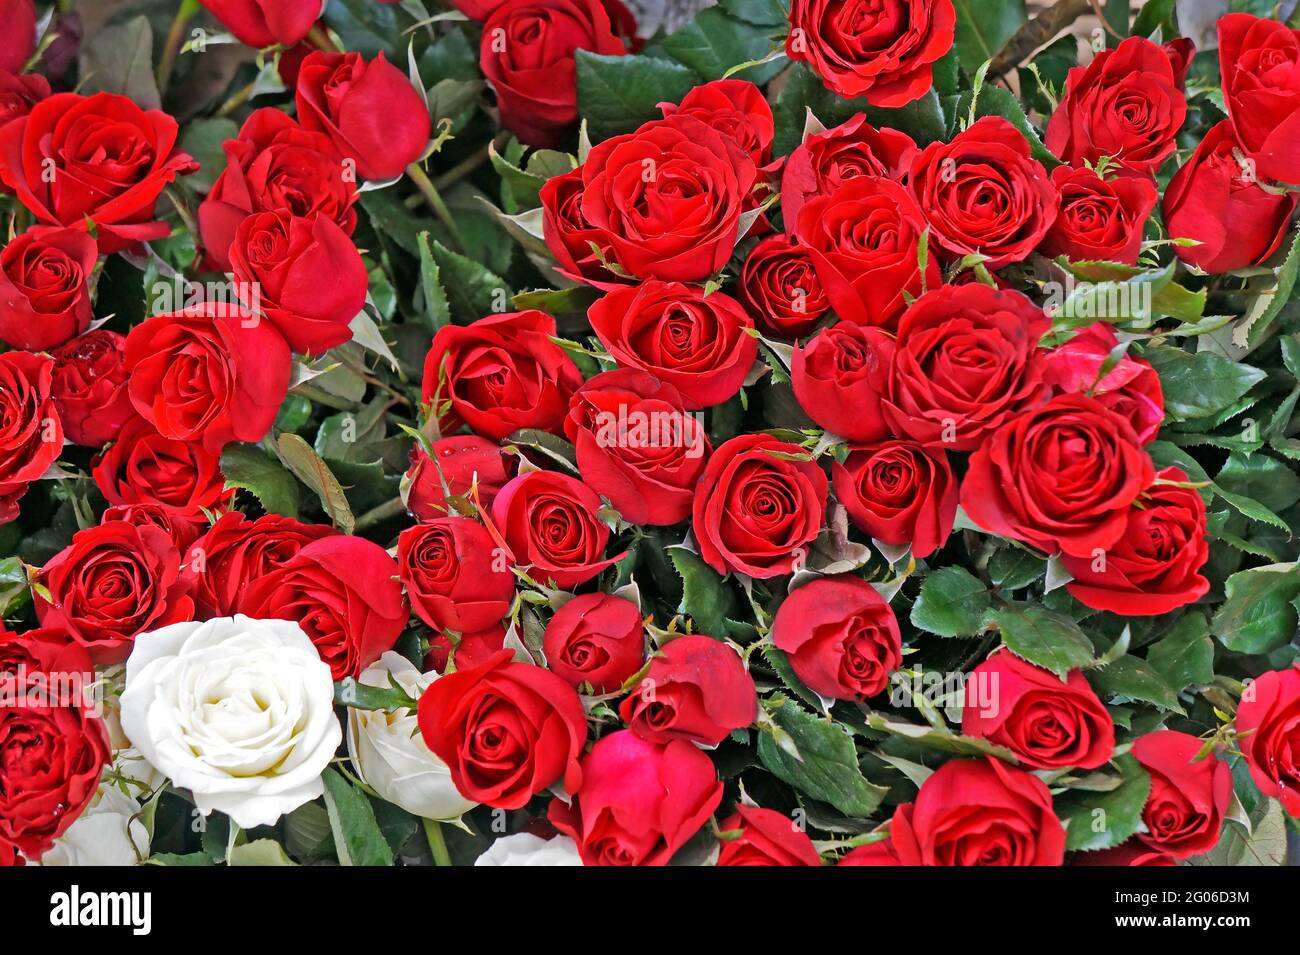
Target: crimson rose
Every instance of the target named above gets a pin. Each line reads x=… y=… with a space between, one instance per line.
x=779 y=288
x=262 y=23
x=144 y=467
x=595 y=639
x=838 y=377
x=1259 y=61
x=89 y=387
x=454 y=466
x=1189 y=797
x=1131 y=388
x=454 y=574
x=31 y=435
x=44 y=276
x=697 y=689
x=1100 y=219
x=899 y=492
x=765 y=837
x=1268 y=728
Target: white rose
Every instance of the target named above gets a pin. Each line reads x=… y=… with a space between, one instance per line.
x=105 y=834
x=526 y=849
x=390 y=754
x=238 y=711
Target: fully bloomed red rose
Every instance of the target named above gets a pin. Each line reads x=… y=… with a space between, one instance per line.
x=112 y=583
x=838 y=377
x=18 y=27
x=89 y=387
x=765 y=837
x=1046 y=722
x=568 y=234
x=735 y=108
x=779 y=288
x=19 y=92
x=1100 y=219
x=596 y=639
x=263 y=23
x=454 y=574
x=883 y=52
x=899 y=492
x=640 y=801
x=841 y=637
x=1216 y=201
x=31 y=435
x=967 y=359
x=759 y=505
x=144 y=467
x=551 y=522
x=637 y=445
x=697 y=689
x=455 y=465
x=98 y=160
x=1189 y=797
x=826 y=160
x=698 y=343
x=1063 y=476
x=1131 y=388
x=506 y=730
x=44 y=276
x=208 y=373
x=502 y=373
x=1259 y=60
x=1268 y=732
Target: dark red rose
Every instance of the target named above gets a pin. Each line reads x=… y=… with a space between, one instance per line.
x=263 y=23
x=899 y=492
x=1127 y=104
x=1130 y=853
x=506 y=730
x=1217 y=202
x=697 y=689
x=111 y=584
x=143 y=467
x=236 y=551
x=597 y=640
x=1061 y=477
x=967 y=359
x=1189 y=797
x=502 y=373
x=101 y=161
x=826 y=160
x=455 y=575
x=470 y=649
x=838 y=376
x=1268 y=732
x=765 y=837
x=779 y=288
x=841 y=637
x=640 y=801
x=209 y=374
x=1131 y=388
x=18 y=27
x=883 y=52
x=735 y=108
x=19 y=92
x=303 y=276
x=457 y=464
x=1100 y=219
x=1046 y=722
x=698 y=343
x=568 y=234
x=31 y=435
x=1259 y=60
x=44 y=276
x=89 y=387
x=183 y=531
x=759 y=505
x=637 y=445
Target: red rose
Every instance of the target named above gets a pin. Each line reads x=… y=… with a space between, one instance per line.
x=506 y=730
x=471 y=649
x=967 y=359
x=899 y=492
x=826 y=160
x=89 y=387
x=274 y=165
x=1155 y=566
x=304 y=276
x=885 y=53
x=478 y=10
x=31 y=435
x=1268 y=732
x=1131 y=388
x=18 y=27
x=568 y=234
x=457 y=464
x=765 y=838
x=841 y=637
x=208 y=373
x=779 y=288
x=1189 y=797
x=697 y=689
x=1259 y=61
x=143 y=467
x=454 y=575
x=759 y=505
x=735 y=108
x=837 y=379
x=1061 y=477
x=344 y=593
x=19 y=92
x=1100 y=219
x=596 y=639
x=1131 y=853
x=502 y=373
x=640 y=801
x=698 y=343
x=552 y=524
x=235 y=552
x=99 y=160
x=43 y=279
x=47 y=650
x=1213 y=200
x=527 y=54
x=263 y=23
x=183 y=531
x=873 y=853
x=637 y=445
x=1046 y=723
x=111 y=584
x=979 y=812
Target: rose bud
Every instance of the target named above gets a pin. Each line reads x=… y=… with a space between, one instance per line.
x=1100 y=219
x=552 y=525
x=1046 y=723
x=780 y=290
x=455 y=576
x=456 y=465
x=984 y=194
x=89 y=387
x=143 y=467
x=263 y=23
x=19 y=92
x=1189 y=797
x=1219 y=203
x=32 y=437
x=568 y=234
x=765 y=838
x=697 y=689
x=18 y=20
x=759 y=505
x=640 y=801
x=695 y=342
x=841 y=637
x=1131 y=388
x=637 y=445
x=837 y=378
x=597 y=640
x=44 y=276
x=469 y=649
x=1131 y=853
x=1268 y=732
x=183 y=531
x=899 y=492
x=1259 y=61
x=506 y=730
x=735 y=108
x=874 y=853
x=45 y=160
x=825 y=161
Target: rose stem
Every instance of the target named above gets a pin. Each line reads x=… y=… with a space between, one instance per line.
x=434 y=199
x=175 y=38
x=381 y=513
x=437 y=844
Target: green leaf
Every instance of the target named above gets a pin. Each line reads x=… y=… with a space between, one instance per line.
x=1185 y=655
x=308 y=467
x=357 y=836
x=259 y=852
x=1044 y=638
x=349 y=692
x=996 y=101
x=203 y=139
x=179 y=859
x=1198 y=384
x=984 y=27
x=706 y=598
x=952 y=603
x=1102 y=820
x=472 y=291
x=119 y=59
x=307 y=833
x=713 y=42
x=1279 y=295
x=1014 y=567
x=1262 y=478
x=249 y=467
x=616 y=94
x=1258 y=614
x=1154 y=15
x=780 y=662
x=14 y=589
x=1132 y=678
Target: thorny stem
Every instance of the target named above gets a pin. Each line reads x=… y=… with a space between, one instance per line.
x=434 y=199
